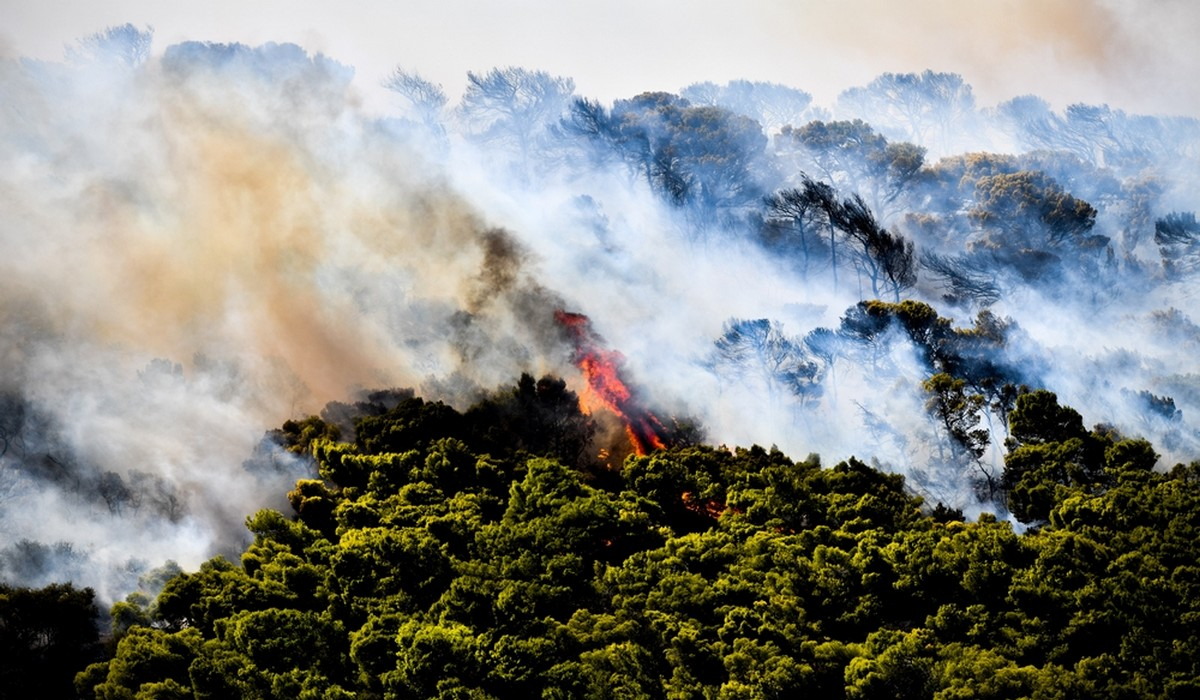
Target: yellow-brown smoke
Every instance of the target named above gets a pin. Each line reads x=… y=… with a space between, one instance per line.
x=193 y=222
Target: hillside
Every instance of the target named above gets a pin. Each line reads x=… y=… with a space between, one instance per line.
x=976 y=320
x=481 y=554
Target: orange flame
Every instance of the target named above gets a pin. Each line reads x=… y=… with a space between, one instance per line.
x=605 y=389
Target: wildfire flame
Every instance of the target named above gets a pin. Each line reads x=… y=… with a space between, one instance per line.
x=605 y=389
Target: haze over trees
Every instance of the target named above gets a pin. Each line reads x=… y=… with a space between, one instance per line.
x=978 y=315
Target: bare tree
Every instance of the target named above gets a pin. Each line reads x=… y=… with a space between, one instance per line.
x=426 y=99
x=125 y=45
x=759 y=350
x=887 y=260
x=963 y=279
x=514 y=108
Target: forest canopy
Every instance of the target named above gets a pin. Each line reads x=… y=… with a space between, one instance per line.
x=434 y=559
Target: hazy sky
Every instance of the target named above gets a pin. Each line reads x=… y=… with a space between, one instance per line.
x=1138 y=55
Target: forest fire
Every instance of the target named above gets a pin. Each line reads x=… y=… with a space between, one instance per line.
x=605 y=389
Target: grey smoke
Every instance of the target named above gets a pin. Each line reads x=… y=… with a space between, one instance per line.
x=204 y=243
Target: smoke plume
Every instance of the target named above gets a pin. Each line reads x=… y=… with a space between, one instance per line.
x=203 y=243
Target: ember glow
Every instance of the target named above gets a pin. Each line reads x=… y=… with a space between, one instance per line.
x=605 y=388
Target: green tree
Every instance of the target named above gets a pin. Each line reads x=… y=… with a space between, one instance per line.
x=897 y=665
x=958 y=415
x=1025 y=212
x=147 y=661
x=1038 y=419
x=46 y=636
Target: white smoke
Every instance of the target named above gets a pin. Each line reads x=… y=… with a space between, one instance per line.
x=204 y=243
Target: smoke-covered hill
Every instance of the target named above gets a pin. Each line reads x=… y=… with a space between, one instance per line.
x=204 y=242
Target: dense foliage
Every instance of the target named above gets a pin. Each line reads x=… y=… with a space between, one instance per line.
x=46 y=634
x=442 y=554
